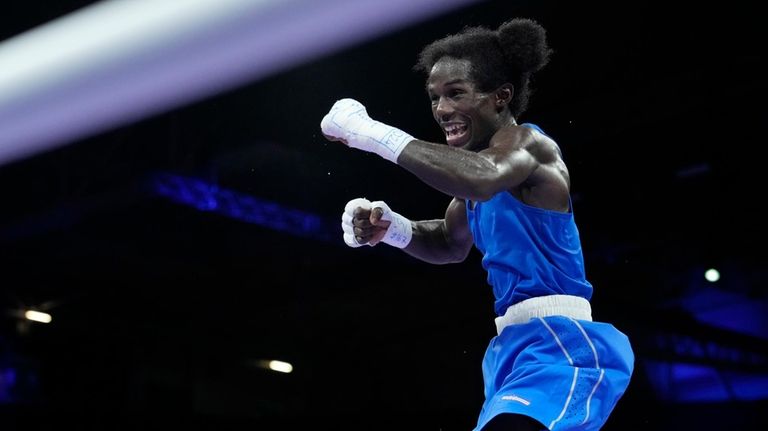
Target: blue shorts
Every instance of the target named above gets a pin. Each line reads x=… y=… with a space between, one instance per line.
x=567 y=374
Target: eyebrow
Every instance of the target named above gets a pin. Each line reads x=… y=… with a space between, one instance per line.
x=455 y=81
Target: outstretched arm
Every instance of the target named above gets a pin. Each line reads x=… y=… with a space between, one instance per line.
x=506 y=163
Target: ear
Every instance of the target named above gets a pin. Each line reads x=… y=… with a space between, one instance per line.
x=504 y=95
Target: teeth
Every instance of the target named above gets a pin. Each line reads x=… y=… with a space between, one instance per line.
x=454 y=129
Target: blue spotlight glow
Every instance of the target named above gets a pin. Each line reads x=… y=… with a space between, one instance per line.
x=729 y=310
x=7 y=382
x=206 y=196
x=694 y=383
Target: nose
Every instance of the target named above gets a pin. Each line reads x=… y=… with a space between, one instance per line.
x=443 y=109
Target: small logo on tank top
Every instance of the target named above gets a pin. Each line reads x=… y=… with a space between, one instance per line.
x=516 y=398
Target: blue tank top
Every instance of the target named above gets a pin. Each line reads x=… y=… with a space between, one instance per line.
x=527 y=251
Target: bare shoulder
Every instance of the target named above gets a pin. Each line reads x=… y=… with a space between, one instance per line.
x=513 y=137
x=543 y=148
x=548 y=184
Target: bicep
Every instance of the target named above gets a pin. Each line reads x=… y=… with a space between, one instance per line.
x=457 y=233
x=512 y=166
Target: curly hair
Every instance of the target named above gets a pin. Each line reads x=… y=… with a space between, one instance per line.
x=510 y=54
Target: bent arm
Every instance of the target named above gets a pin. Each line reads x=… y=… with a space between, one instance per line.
x=442 y=241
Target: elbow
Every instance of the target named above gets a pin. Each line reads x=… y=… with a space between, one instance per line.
x=447 y=261
x=459 y=254
x=448 y=256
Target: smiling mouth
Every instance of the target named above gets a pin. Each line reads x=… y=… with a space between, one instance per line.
x=456 y=134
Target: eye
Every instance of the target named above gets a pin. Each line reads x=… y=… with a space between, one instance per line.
x=455 y=93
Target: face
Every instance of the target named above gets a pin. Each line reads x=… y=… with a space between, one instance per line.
x=467 y=116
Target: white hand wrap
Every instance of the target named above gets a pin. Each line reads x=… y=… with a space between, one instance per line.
x=346 y=220
x=400 y=230
x=348 y=120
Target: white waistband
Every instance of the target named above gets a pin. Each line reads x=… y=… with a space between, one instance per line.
x=543 y=306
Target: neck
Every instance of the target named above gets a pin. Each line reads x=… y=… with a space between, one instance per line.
x=506 y=119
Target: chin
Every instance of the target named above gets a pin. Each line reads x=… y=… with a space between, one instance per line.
x=464 y=144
